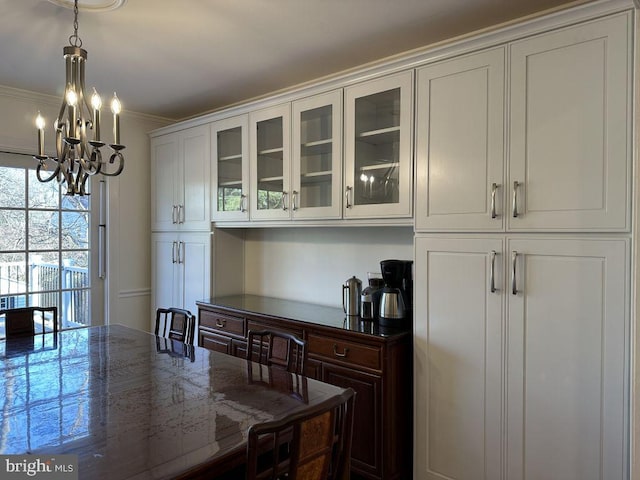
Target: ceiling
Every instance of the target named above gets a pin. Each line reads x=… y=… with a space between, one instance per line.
x=177 y=59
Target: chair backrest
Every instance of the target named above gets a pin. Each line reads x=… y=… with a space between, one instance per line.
x=175 y=323
x=277 y=348
x=318 y=441
x=27 y=321
x=175 y=348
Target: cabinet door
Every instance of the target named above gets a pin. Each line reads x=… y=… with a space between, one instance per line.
x=270 y=196
x=164 y=272
x=230 y=169
x=366 y=451
x=195 y=260
x=165 y=172
x=459 y=141
x=317 y=157
x=378 y=147
x=566 y=355
x=570 y=144
x=193 y=210
x=458 y=358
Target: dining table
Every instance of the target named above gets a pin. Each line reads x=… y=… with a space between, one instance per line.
x=131 y=405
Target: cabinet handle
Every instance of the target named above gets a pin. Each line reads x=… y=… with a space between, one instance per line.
x=173 y=252
x=515 y=199
x=180 y=213
x=173 y=214
x=294 y=196
x=494 y=188
x=492 y=270
x=220 y=324
x=180 y=252
x=347 y=195
x=514 y=256
x=338 y=354
x=243 y=203
x=284 y=203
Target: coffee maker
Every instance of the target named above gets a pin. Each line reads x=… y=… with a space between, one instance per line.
x=396 y=300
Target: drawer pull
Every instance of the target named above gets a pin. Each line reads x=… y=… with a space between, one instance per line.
x=338 y=354
x=220 y=324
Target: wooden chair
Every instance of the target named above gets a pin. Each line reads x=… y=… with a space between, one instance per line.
x=175 y=323
x=277 y=348
x=27 y=321
x=318 y=443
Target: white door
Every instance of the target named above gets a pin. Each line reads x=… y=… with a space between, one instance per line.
x=164 y=271
x=195 y=264
x=458 y=357
x=460 y=143
x=566 y=410
x=317 y=157
x=570 y=144
x=164 y=174
x=378 y=163
x=193 y=183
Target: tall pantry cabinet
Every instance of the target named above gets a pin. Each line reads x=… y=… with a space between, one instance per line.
x=522 y=258
x=180 y=199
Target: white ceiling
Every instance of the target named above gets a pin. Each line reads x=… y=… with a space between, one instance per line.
x=180 y=58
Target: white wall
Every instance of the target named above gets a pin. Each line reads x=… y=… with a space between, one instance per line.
x=311 y=264
x=127 y=287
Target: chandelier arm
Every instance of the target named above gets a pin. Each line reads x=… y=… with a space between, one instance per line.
x=42 y=166
x=94 y=164
x=112 y=159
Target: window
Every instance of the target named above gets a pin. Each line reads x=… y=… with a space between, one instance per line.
x=44 y=244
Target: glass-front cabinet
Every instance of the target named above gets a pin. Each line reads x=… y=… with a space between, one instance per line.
x=270 y=161
x=317 y=156
x=230 y=168
x=378 y=147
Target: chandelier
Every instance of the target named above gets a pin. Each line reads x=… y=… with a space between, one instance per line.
x=77 y=128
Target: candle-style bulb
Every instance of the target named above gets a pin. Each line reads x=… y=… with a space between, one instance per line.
x=72 y=97
x=40 y=123
x=115 y=104
x=96 y=101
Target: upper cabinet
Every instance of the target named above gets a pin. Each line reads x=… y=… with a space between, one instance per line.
x=378 y=147
x=317 y=157
x=230 y=169
x=180 y=162
x=570 y=113
x=460 y=143
x=270 y=159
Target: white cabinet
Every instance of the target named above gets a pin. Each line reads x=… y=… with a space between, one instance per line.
x=181 y=269
x=270 y=163
x=230 y=169
x=317 y=157
x=378 y=162
x=180 y=164
x=460 y=143
x=570 y=133
x=538 y=389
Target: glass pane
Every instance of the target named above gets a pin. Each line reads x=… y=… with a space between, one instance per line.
x=230 y=169
x=76 y=202
x=75 y=269
x=13 y=279
x=75 y=307
x=316 y=157
x=43 y=230
x=43 y=195
x=12 y=184
x=44 y=271
x=14 y=232
x=270 y=164
x=377 y=148
x=75 y=230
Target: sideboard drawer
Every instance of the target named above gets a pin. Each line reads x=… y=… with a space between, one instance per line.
x=222 y=323
x=354 y=353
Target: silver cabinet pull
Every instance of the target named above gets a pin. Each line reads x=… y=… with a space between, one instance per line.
x=347 y=195
x=514 y=257
x=284 y=203
x=180 y=252
x=494 y=188
x=294 y=197
x=173 y=252
x=180 y=213
x=492 y=271
x=515 y=199
x=338 y=354
x=243 y=203
x=173 y=214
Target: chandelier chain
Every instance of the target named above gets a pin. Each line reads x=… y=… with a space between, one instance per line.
x=74 y=39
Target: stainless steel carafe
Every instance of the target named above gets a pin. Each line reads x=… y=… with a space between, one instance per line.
x=351 y=291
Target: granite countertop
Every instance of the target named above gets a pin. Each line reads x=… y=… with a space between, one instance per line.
x=303 y=312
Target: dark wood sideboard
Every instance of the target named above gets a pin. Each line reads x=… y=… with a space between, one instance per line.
x=375 y=361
